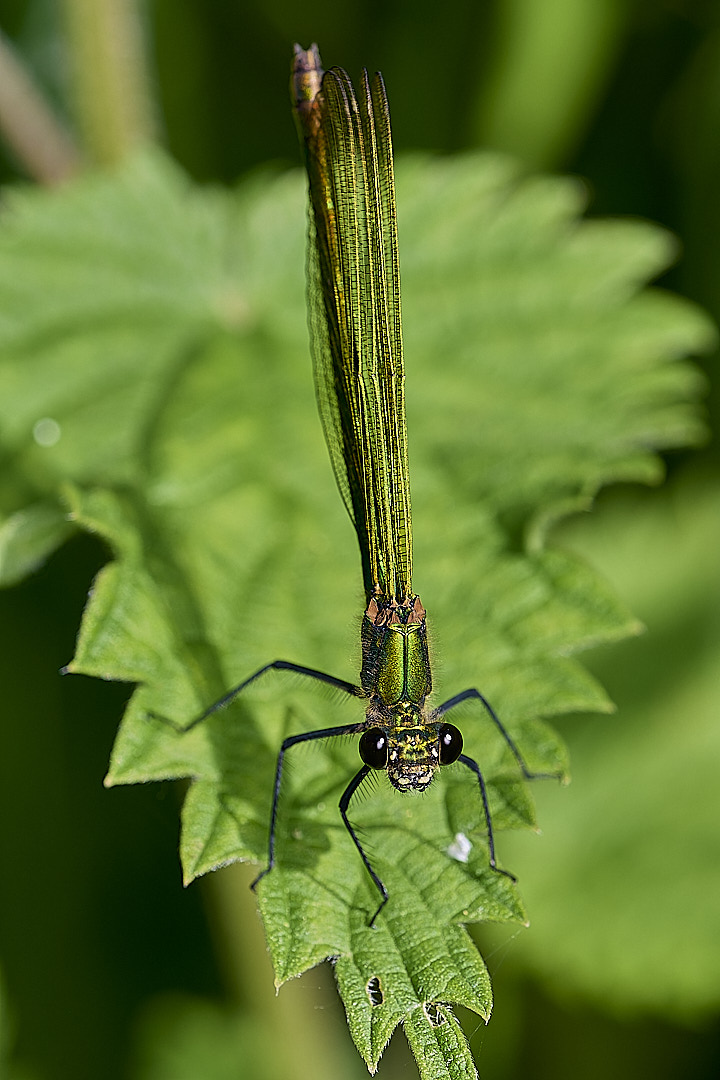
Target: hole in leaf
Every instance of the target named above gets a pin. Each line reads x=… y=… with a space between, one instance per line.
x=374 y=991
x=435 y=1013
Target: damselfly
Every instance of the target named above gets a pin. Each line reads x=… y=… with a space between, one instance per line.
x=354 y=300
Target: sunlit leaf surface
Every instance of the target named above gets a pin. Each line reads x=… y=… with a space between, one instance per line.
x=155 y=382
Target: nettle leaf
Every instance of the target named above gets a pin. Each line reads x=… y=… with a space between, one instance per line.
x=155 y=382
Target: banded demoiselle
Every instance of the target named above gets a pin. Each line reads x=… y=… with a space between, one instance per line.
x=356 y=340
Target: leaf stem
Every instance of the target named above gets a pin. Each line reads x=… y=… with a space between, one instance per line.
x=300 y=1019
x=36 y=136
x=113 y=100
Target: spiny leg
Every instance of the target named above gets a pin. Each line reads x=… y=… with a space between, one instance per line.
x=298 y=669
x=475 y=694
x=344 y=803
x=307 y=736
x=474 y=767
x=276 y=665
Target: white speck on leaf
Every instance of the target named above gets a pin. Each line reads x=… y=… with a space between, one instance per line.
x=460 y=848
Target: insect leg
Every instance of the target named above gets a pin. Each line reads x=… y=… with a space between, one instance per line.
x=344 y=803
x=307 y=736
x=475 y=694
x=474 y=767
x=276 y=665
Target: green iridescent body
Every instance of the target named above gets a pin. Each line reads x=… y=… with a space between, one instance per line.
x=354 y=295
x=354 y=307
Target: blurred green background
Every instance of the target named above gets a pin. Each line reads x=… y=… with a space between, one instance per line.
x=109 y=968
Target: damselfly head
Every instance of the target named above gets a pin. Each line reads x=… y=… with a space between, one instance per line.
x=411 y=754
x=413 y=758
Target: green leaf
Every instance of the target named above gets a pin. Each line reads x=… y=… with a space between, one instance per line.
x=438 y=1043
x=631 y=858
x=161 y=329
x=28 y=537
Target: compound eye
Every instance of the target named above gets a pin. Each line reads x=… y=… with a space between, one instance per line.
x=374 y=748
x=451 y=744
